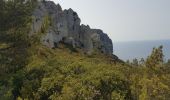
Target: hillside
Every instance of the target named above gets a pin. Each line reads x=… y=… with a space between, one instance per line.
x=83 y=69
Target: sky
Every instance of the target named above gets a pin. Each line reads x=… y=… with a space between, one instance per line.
x=124 y=20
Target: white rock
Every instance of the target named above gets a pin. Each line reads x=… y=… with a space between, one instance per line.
x=66 y=28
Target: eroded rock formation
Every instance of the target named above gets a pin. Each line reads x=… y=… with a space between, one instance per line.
x=65 y=27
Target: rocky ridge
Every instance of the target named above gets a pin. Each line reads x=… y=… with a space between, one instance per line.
x=65 y=27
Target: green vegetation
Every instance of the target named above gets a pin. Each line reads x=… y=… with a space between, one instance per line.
x=30 y=71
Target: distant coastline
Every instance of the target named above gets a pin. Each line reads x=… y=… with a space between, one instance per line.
x=139 y=49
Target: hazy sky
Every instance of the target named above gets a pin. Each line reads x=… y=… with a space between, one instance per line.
x=125 y=20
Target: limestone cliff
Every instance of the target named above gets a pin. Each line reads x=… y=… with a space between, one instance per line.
x=65 y=27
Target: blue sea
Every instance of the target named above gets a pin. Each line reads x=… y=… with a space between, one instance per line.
x=140 y=49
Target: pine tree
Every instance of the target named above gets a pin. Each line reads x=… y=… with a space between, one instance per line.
x=156 y=57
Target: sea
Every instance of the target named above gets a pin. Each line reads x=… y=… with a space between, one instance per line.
x=140 y=49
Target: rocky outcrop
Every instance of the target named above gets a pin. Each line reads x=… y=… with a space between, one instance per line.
x=65 y=27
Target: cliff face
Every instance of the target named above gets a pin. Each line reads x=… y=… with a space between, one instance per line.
x=65 y=27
